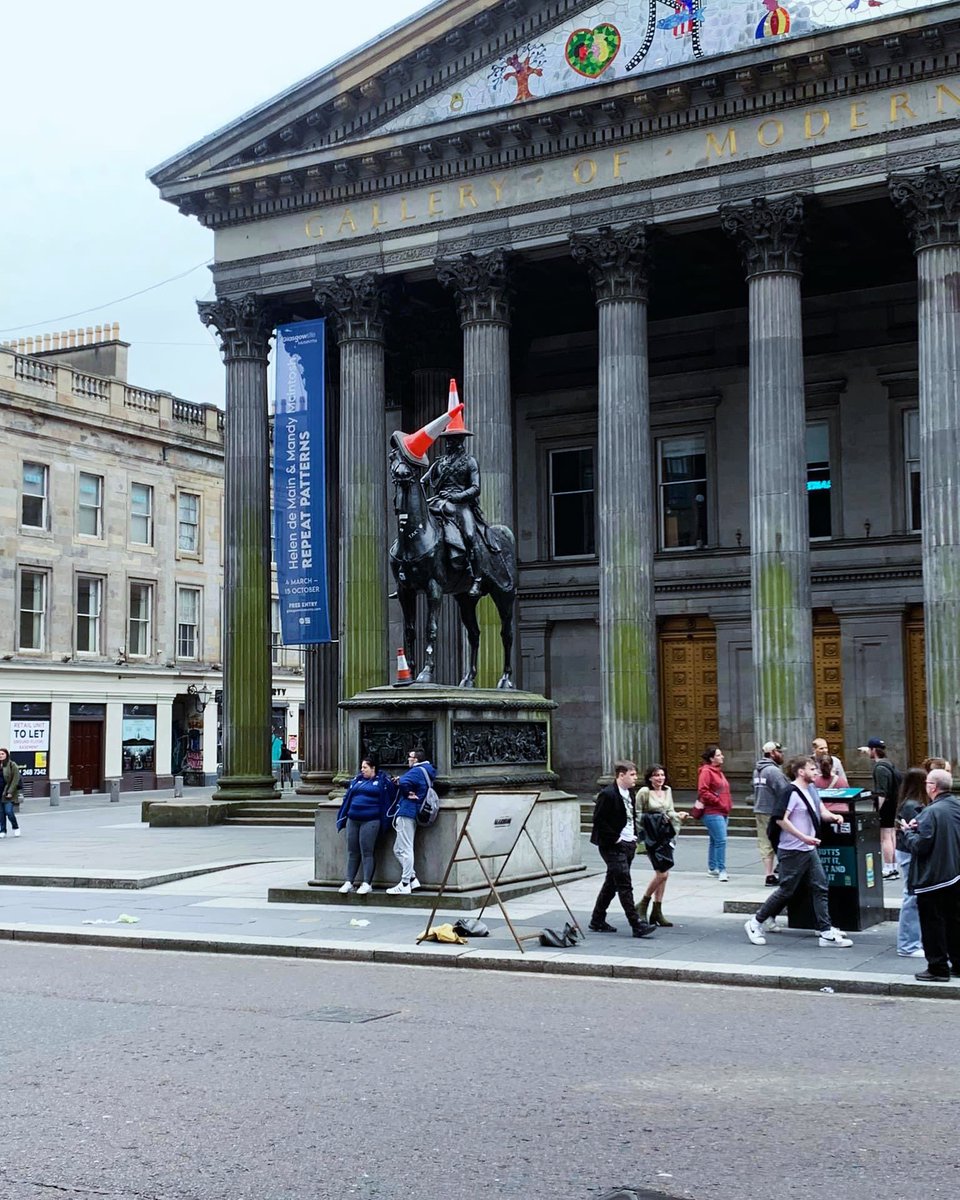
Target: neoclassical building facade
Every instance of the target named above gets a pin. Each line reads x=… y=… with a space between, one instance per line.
x=696 y=275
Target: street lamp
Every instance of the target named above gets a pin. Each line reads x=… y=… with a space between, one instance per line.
x=201 y=695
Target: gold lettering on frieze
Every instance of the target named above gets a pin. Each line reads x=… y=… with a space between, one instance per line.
x=404 y=215
x=498 y=185
x=376 y=220
x=434 y=204
x=314 y=229
x=467 y=196
x=619 y=158
x=347 y=222
x=808 y=118
x=858 y=117
x=728 y=145
x=900 y=103
x=764 y=133
x=943 y=90
x=584 y=171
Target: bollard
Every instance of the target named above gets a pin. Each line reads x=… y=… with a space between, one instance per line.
x=54 y=794
x=177 y=786
x=114 y=790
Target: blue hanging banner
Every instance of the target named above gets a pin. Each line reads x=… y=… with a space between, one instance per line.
x=299 y=484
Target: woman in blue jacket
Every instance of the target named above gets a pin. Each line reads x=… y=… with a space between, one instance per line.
x=364 y=812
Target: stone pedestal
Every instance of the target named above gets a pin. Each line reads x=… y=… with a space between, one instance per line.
x=479 y=740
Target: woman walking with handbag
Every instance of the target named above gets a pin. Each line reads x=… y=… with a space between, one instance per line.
x=9 y=793
x=655 y=797
x=713 y=806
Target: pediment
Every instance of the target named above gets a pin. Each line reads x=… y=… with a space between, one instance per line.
x=464 y=71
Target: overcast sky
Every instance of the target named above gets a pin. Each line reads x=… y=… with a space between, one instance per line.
x=92 y=97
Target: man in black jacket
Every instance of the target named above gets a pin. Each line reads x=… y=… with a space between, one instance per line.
x=615 y=836
x=934 y=841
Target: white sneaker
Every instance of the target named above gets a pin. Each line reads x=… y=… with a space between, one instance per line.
x=835 y=937
x=723 y=877
x=414 y=884
x=401 y=889
x=912 y=953
x=16 y=833
x=891 y=873
x=345 y=887
x=364 y=889
x=754 y=932
x=770 y=925
x=3 y=835
x=713 y=872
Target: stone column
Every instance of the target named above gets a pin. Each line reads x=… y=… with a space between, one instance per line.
x=616 y=260
x=480 y=285
x=357 y=306
x=769 y=234
x=245 y=326
x=930 y=202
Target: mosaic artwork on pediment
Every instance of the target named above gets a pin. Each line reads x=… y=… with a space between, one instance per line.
x=624 y=39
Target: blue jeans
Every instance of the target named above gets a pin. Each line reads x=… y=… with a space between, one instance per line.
x=908 y=927
x=7 y=813
x=717 y=830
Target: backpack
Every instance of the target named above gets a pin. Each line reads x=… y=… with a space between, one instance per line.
x=893 y=791
x=774 y=830
x=429 y=805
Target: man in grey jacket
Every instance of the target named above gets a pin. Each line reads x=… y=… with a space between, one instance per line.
x=934 y=841
x=770 y=787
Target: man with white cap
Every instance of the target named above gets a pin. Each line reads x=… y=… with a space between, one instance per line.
x=770 y=787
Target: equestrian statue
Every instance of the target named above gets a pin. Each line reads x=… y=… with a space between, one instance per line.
x=444 y=546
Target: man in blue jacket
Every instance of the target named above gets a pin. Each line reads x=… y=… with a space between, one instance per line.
x=412 y=788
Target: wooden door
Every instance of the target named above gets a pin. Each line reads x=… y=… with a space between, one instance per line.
x=916 y=673
x=828 y=681
x=86 y=756
x=688 y=695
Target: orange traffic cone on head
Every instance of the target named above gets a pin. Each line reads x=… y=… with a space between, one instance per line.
x=414 y=446
x=404 y=676
x=456 y=427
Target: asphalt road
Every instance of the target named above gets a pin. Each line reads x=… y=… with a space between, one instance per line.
x=146 y=1076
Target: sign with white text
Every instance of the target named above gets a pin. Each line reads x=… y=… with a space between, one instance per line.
x=299 y=484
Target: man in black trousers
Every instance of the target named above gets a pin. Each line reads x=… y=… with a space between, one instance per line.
x=615 y=836
x=933 y=838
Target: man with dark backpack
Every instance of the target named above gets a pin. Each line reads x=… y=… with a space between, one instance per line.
x=770 y=787
x=800 y=864
x=886 y=788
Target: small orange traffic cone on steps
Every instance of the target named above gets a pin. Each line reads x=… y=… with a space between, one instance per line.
x=404 y=677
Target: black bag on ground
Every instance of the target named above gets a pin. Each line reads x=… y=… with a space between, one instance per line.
x=471 y=927
x=570 y=936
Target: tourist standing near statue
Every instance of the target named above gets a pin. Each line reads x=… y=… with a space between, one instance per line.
x=363 y=812
x=615 y=836
x=713 y=806
x=10 y=793
x=412 y=788
x=800 y=865
x=933 y=839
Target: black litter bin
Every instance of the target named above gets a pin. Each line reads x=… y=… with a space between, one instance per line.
x=850 y=853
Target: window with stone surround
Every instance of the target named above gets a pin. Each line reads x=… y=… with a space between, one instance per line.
x=572 y=503
x=140 y=620
x=188 y=523
x=141 y=514
x=911 y=469
x=34 y=506
x=89 y=605
x=32 y=610
x=188 y=622
x=682 y=491
x=819 y=485
x=90 y=505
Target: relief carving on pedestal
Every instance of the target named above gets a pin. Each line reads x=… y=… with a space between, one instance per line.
x=389 y=741
x=480 y=743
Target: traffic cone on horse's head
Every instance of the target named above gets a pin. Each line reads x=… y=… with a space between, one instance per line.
x=456 y=428
x=404 y=677
x=415 y=445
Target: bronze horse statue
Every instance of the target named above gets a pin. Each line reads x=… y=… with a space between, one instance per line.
x=429 y=556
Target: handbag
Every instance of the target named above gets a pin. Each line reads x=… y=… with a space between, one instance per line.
x=471 y=927
x=570 y=936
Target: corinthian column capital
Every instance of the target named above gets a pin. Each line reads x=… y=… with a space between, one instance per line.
x=930 y=204
x=358 y=306
x=244 y=325
x=481 y=286
x=768 y=232
x=617 y=261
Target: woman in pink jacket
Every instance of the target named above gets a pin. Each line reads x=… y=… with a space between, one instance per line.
x=713 y=808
